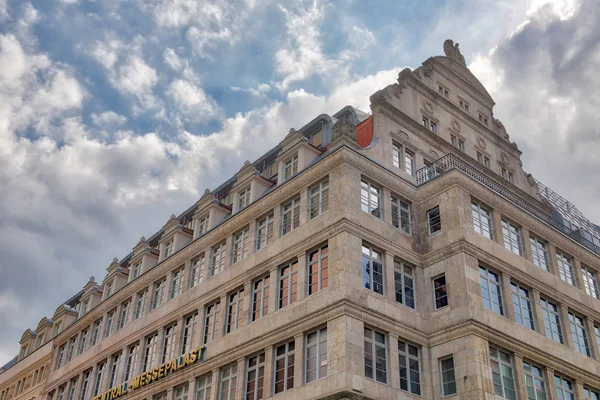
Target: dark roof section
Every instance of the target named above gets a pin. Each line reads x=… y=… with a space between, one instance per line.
x=9 y=364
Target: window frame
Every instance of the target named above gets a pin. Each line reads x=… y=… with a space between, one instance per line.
x=322 y=253
x=590 y=281
x=435 y=292
x=371 y=343
x=260 y=297
x=502 y=365
x=320 y=368
x=531 y=376
x=267 y=223
x=432 y=223
x=235 y=309
x=498 y=282
x=230 y=379
x=522 y=304
x=240 y=244
x=479 y=214
x=287 y=355
x=290 y=212
x=566 y=269
x=511 y=233
x=259 y=372
x=400 y=272
x=211 y=321
x=578 y=325
x=443 y=382
x=367 y=203
x=401 y=215
x=196 y=270
x=292 y=287
x=539 y=249
x=551 y=309
x=373 y=257
x=322 y=195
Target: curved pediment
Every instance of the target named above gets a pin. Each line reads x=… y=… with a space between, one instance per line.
x=43 y=322
x=27 y=334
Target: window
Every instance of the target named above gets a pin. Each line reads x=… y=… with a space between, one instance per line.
x=149 y=350
x=211 y=321
x=188 y=334
x=264 y=231
x=316 y=355
x=107 y=290
x=440 y=293
x=483 y=119
x=160 y=396
x=409 y=360
x=218 y=259
x=114 y=370
x=580 y=340
x=551 y=320
x=318 y=198
x=124 y=313
x=110 y=323
x=176 y=283
x=84 y=308
x=56 y=328
x=482 y=220
x=83 y=340
x=370 y=199
x=403 y=158
x=288 y=284
x=234 y=310
x=590 y=282
x=167 y=249
x=85 y=384
x=157 y=294
x=135 y=271
x=290 y=168
x=291 y=216
x=404 y=283
x=511 y=177
x=59 y=356
x=512 y=237
x=442 y=91
x=70 y=348
x=464 y=105
x=589 y=394
x=316 y=138
x=490 y=290
x=203 y=387
x=40 y=341
x=132 y=355
x=401 y=215
x=483 y=159
x=240 y=246
x=260 y=298
x=565 y=268
x=99 y=378
x=372 y=270
x=539 y=253
x=502 y=374
x=196 y=270
x=522 y=306
x=457 y=142
x=244 y=199
x=72 y=388
x=255 y=375
x=564 y=388
x=534 y=382
x=597 y=333
x=434 y=220
x=317 y=270
x=181 y=392
x=201 y=226
x=96 y=332
x=168 y=344
x=228 y=382
x=375 y=356
x=429 y=124
x=140 y=304
x=284 y=366
x=448 y=378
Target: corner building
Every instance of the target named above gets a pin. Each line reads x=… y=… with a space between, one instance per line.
x=403 y=254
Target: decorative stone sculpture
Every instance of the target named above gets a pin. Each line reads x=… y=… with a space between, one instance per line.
x=343 y=128
x=453 y=53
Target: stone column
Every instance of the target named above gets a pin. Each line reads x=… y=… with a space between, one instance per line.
x=137 y=369
x=537 y=312
x=497 y=227
x=148 y=306
x=578 y=273
x=566 y=326
x=550 y=390
x=241 y=379
x=246 y=305
x=186 y=276
x=299 y=360
x=273 y=290
x=578 y=386
x=552 y=259
x=277 y=222
x=252 y=236
x=178 y=336
x=192 y=389
x=390 y=283
x=220 y=330
x=526 y=245
x=520 y=377
x=589 y=331
x=214 y=387
x=386 y=202
x=228 y=250
x=507 y=297
x=304 y=206
x=92 y=381
x=302 y=287
x=78 y=387
x=156 y=359
x=394 y=364
x=268 y=373
x=170 y=393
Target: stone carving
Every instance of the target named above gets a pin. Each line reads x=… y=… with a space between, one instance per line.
x=403 y=134
x=434 y=154
x=115 y=260
x=481 y=143
x=343 y=127
x=504 y=157
x=455 y=125
x=531 y=180
x=453 y=53
x=427 y=106
x=428 y=71
x=396 y=90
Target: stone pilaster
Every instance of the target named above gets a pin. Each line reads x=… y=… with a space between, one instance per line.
x=269 y=372
x=304 y=206
x=507 y=297
x=520 y=376
x=246 y=305
x=214 y=387
x=302 y=286
x=273 y=290
x=252 y=236
x=537 y=312
x=386 y=202
x=389 y=278
x=241 y=379
x=299 y=360
x=393 y=372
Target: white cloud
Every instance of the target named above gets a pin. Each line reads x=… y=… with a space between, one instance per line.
x=192 y=102
x=108 y=119
x=4 y=14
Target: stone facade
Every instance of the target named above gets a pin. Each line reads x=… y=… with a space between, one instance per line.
x=351 y=272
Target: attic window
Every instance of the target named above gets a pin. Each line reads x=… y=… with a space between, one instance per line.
x=483 y=119
x=443 y=91
x=316 y=139
x=464 y=105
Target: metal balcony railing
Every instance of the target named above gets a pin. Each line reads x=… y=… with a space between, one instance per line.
x=451 y=162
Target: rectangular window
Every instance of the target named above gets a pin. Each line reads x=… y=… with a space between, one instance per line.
x=490 y=290
x=565 y=268
x=288 y=284
x=290 y=216
x=201 y=226
x=70 y=349
x=203 y=387
x=176 y=283
x=457 y=142
x=580 y=340
x=168 y=343
x=590 y=282
x=235 y=307
x=522 y=305
x=211 y=321
x=403 y=158
x=401 y=215
x=60 y=355
x=255 y=376
x=372 y=269
x=590 y=394
x=96 y=332
x=196 y=270
x=132 y=355
x=72 y=388
x=318 y=198
x=228 y=382
x=218 y=259
x=85 y=385
x=99 y=378
x=448 y=377
x=290 y=168
x=149 y=350
x=160 y=396
x=188 y=334
x=284 y=366
x=375 y=355
x=181 y=392
x=135 y=270
x=264 y=231
x=597 y=334
x=316 y=355
x=107 y=290
x=482 y=220
x=318 y=270
x=140 y=304
x=534 y=381
x=409 y=161
x=511 y=177
x=409 y=361
x=564 y=388
x=124 y=317
x=114 y=370
x=512 y=237
x=370 y=198
x=240 y=246
x=167 y=249
x=552 y=324
x=157 y=293
x=502 y=374
x=404 y=283
x=260 y=298
x=434 y=220
x=83 y=340
x=539 y=253
x=110 y=323
x=244 y=199
x=440 y=293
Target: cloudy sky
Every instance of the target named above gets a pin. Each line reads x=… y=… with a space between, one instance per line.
x=115 y=114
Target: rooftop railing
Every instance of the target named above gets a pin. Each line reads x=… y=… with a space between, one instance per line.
x=451 y=162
